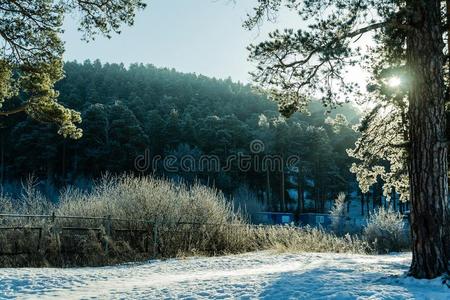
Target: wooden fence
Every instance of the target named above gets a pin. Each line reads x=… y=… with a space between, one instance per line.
x=145 y=231
x=108 y=226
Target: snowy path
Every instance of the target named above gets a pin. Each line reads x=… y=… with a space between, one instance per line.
x=261 y=275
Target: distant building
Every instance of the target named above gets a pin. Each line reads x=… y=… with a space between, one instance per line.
x=315 y=219
x=273 y=218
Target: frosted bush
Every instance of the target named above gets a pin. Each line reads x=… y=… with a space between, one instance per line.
x=385 y=231
x=338 y=213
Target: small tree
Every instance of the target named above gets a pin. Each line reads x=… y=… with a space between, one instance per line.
x=338 y=213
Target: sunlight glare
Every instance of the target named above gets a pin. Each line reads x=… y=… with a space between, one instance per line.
x=394 y=81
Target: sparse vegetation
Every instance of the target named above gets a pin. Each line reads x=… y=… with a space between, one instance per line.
x=309 y=239
x=190 y=221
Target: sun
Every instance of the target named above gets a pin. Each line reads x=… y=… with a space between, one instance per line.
x=394 y=81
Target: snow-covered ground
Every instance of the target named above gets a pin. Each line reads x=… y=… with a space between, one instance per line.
x=260 y=275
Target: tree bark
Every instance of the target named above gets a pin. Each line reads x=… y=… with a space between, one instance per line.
x=368 y=203
x=2 y=157
x=394 y=200
x=428 y=145
x=63 y=163
x=362 y=203
x=269 y=198
x=283 y=199
x=300 y=200
x=348 y=203
x=447 y=227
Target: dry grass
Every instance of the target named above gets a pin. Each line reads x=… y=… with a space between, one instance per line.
x=309 y=239
x=194 y=220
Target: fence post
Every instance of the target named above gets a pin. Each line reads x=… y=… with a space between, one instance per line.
x=147 y=238
x=39 y=240
x=108 y=229
x=155 y=239
x=55 y=231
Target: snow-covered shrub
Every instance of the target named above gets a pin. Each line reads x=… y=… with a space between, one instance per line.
x=148 y=198
x=179 y=211
x=385 y=231
x=338 y=213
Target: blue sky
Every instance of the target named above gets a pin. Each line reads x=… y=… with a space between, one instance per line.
x=201 y=36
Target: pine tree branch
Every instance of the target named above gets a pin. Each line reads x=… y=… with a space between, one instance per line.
x=366 y=29
x=352 y=34
x=13 y=111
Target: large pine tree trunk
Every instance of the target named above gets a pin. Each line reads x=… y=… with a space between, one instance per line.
x=428 y=146
x=2 y=156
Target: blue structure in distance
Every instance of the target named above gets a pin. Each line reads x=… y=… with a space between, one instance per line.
x=273 y=218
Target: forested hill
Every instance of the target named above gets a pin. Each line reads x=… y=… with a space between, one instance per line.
x=128 y=110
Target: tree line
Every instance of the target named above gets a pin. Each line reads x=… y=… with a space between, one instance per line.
x=127 y=112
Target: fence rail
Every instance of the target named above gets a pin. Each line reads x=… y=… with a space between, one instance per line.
x=109 y=218
x=146 y=232
x=55 y=230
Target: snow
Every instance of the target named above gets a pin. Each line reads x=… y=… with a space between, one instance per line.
x=258 y=275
